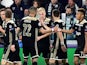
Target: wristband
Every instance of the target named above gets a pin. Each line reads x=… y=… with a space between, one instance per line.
x=62 y=44
x=52 y=29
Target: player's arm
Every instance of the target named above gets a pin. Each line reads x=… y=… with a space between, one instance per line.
x=85 y=47
x=2 y=30
x=60 y=35
x=17 y=30
x=43 y=36
x=44 y=31
x=66 y=31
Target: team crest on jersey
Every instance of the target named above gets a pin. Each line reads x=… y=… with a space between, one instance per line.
x=57 y=25
x=79 y=29
x=78 y=33
x=10 y=26
x=86 y=27
x=21 y=8
x=13 y=8
x=75 y=27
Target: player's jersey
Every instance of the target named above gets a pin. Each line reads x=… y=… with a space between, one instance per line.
x=9 y=26
x=58 y=23
x=28 y=25
x=80 y=29
x=45 y=41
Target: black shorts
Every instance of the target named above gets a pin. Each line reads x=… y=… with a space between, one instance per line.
x=14 y=56
x=29 y=49
x=43 y=47
x=61 y=54
x=79 y=53
x=45 y=51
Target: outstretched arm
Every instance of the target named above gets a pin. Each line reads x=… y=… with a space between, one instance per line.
x=63 y=47
x=85 y=47
x=43 y=36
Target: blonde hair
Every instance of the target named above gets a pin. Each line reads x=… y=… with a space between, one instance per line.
x=41 y=9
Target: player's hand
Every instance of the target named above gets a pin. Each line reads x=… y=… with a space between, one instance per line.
x=85 y=50
x=13 y=48
x=57 y=29
x=63 y=47
x=38 y=38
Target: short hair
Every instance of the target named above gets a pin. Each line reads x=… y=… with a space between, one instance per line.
x=56 y=12
x=8 y=13
x=2 y=9
x=37 y=2
x=32 y=9
x=41 y=9
x=82 y=10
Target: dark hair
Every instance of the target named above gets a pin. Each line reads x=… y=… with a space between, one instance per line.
x=8 y=13
x=56 y=12
x=82 y=10
x=2 y=9
x=37 y=2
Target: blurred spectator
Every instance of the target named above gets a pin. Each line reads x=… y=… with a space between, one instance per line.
x=18 y=8
x=1 y=6
x=79 y=3
x=85 y=7
x=73 y=6
x=2 y=16
x=36 y=4
x=69 y=22
x=28 y=3
x=54 y=4
x=64 y=3
x=26 y=12
x=43 y=2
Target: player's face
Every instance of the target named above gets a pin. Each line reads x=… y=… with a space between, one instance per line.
x=32 y=14
x=2 y=15
x=78 y=15
x=42 y=14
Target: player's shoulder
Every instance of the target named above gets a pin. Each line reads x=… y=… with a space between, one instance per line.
x=59 y=21
x=30 y=18
x=47 y=20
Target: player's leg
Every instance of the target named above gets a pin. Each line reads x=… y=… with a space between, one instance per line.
x=76 y=57
x=26 y=53
x=76 y=60
x=82 y=58
x=62 y=56
x=33 y=55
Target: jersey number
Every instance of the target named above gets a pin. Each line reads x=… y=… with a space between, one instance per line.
x=26 y=30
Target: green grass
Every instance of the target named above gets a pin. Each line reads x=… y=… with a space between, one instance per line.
x=70 y=55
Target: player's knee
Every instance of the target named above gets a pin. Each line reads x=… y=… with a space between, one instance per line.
x=34 y=60
x=59 y=61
